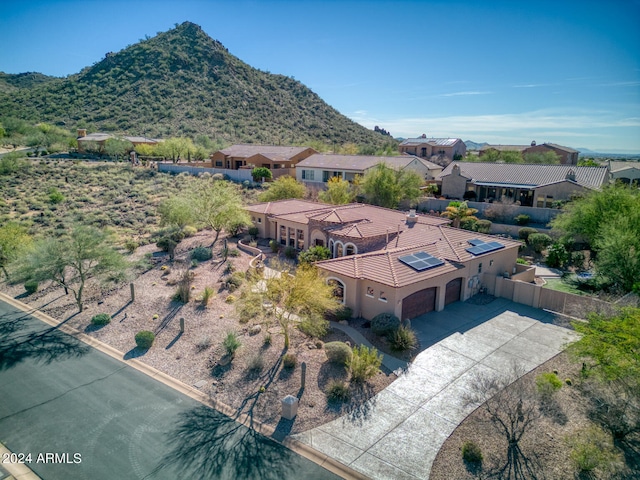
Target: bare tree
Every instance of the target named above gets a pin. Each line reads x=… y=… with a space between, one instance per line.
x=512 y=408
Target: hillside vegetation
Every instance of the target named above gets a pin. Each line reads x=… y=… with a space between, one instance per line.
x=182 y=83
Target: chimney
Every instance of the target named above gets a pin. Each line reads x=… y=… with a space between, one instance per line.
x=533 y=143
x=412 y=217
x=82 y=132
x=424 y=135
x=571 y=175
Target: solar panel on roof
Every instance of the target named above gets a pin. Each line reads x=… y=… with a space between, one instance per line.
x=479 y=247
x=420 y=261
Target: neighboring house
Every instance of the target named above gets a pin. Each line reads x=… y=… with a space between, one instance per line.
x=439 y=150
x=625 y=172
x=250 y=156
x=390 y=261
x=320 y=167
x=568 y=156
x=531 y=185
x=100 y=138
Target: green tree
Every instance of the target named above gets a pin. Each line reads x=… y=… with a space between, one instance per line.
x=459 y=212
x=259 y=173
x=72 y=259
x=176 y=211
x=117 y=147
x=386 y=187
x=338 y=192
x=218 y=205
x=14 y=240
x=609 y=221
x=283 y=188
x=314 y=254
x=549 y=157
x=305 y=294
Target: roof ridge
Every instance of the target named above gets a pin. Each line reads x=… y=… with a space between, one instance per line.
x=392 y=270
x=444 y=235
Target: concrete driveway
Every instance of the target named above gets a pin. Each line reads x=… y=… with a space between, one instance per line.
x=397 y=434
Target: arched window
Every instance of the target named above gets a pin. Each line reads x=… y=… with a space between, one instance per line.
x=350 y=249
x=338 y=289
x=331 y=248
x=339 y=249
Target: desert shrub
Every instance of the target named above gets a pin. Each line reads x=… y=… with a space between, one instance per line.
x=471 y=452
x=183 y=293
x=231 y=343
x=201 y=254
x=521 y=261
x=55 y=196
x=338 y=352
x=203 y=344
x=230 y=299
x=31 y=287
x=404 y=338
x=338 y=392
x=314 y=327
x=101 y=319
x=234 y=281
x=547 y=384
x=144 y=339
x=592 y=449
x=484 y=226
x=289 y=361
x=557 y=256
x=523 y=233
x=233 y=252
x=470 y=224
x=206 y=296
x=539 y=241
x=522 y=219
x=166 y=244
x=131 y=245
x=314 y=254
x=384 y=324
x=254 y=231
x=274 y=246
x=343 y=313
x=189 y=231
x=365 y=363
x=290 y=252
x=255 y=363
x=267 y=339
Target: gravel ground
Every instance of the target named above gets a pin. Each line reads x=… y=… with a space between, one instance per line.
x=196 y=357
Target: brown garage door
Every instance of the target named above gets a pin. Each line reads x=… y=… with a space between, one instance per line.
x=418 y=303
x=452 y=291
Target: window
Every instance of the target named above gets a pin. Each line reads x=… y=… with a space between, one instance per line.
x=283 y=235
x=319 y=242
x=350 y=249
x=259 y=220
x=491 y=263
x=480 y=267
x=326 y=176
x=308 y=174
x=423 y=152
x=300 y=245
x=339 y=250
x=218 y=163
x=370 y=292
x=383 y=296
x=292 y=237
x=338 y=289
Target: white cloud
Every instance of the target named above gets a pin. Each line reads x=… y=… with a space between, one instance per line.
x=458 y=94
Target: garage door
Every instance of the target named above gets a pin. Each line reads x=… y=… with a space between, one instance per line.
x=418 y=303
x=452 y=292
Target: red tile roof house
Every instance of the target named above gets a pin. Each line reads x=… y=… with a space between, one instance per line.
x=532 y=185
x=568 y=156
x=389 y=261
x=439 y=150
x=320 y=167
x=272 y=157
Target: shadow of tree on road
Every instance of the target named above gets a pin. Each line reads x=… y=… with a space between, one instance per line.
x=26 y=338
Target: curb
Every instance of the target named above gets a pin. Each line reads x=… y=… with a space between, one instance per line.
x=301 y=449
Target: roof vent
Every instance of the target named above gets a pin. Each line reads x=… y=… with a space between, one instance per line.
x=571 y=175
x=412 y=217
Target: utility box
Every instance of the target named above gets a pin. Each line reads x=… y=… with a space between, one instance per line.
x=289 y=407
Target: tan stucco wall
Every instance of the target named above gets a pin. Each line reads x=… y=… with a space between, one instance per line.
x=559 y=191
x=454 y=185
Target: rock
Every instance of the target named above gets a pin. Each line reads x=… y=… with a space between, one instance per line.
x=256 y=329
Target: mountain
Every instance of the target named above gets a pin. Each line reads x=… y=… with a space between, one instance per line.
x=181 y=82
x=473 y=145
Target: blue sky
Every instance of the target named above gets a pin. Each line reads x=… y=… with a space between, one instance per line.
x=498 y=71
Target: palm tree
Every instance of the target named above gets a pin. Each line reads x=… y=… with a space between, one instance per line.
x=458 y=212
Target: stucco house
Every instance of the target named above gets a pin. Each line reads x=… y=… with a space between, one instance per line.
x=567 y=156
x=438 y=150
x=625 y=172
x=320 y=167
x=273 y=157
x=531 y=185
x=390 y=261
x=100 y=138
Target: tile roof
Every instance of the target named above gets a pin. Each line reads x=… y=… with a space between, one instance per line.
x=359 y=163
x=285 y=207
x=383 y=266
x=516 y=174
x=620 y=166
x=560 y=147
x=505 y=148
x=432 y=141
x=273 y=152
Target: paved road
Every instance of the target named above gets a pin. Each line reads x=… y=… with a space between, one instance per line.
x=398 y=433
x=106 y=420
